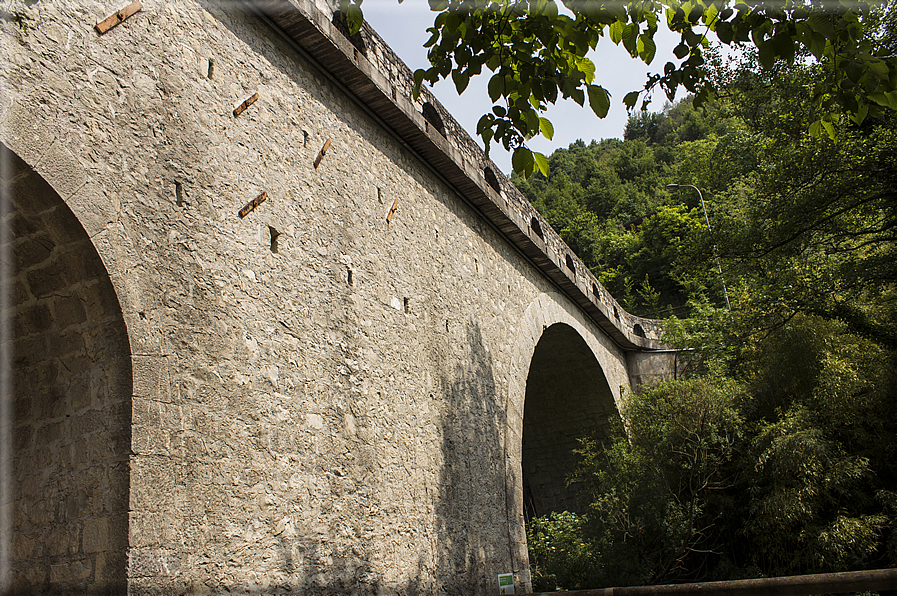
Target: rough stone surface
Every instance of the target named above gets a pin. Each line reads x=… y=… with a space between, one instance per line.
x=308 y=399
x=71 y=399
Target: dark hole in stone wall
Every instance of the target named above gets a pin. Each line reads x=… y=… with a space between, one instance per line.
x=431 y=115
x=491 y=179
x=275 y=246
x=637 y=330
x=536 y=227
x=570 y=265
x=356 y=40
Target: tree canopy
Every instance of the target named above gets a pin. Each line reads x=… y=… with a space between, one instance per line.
x=537 y=52
x=784 y=425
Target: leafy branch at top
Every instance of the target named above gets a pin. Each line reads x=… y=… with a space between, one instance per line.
x=538 y=53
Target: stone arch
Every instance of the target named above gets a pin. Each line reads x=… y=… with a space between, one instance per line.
x=567 y=397
x=70 y=396
x=556 y=320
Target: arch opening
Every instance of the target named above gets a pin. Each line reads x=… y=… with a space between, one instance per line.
x=491 y=179
x=431 y=115
x=567 y=397
x=70 y=397
x=357 y=40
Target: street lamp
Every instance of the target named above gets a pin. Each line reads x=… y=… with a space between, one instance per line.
x=707 y=221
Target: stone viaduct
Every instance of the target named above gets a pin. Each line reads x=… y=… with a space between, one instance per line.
x=271 y=326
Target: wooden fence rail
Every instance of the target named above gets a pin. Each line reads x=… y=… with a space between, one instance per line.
x=794 y=585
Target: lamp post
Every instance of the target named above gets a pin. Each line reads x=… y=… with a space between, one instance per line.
x=709 y=229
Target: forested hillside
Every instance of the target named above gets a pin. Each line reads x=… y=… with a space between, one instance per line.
x=608 y=201
x=776 y=454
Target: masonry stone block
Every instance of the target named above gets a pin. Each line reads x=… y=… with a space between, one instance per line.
x=65 y=573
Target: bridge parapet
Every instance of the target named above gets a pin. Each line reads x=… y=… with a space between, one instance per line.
x=381 y=83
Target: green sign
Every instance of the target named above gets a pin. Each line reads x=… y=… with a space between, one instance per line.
x=505 y=583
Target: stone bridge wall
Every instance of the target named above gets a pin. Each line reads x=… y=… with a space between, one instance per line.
x=323 y=399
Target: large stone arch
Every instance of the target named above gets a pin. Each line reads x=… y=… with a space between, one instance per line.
x=567 y=397
x=69 y=399
x=553 y=318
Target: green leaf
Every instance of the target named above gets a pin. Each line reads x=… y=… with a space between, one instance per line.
x=496 y=86
x=680 y=51
x=541 y=163
x=816 y=129
x=879 y=67
x=532 y=123
x=647 y=48
x=461 y=79
x=630 y=38
x=547 y=128
x=419 y=75
x=725 y=32
x=599 y=100
x=631 y=99
x=354 y=18
x=616 y=32
x=829 y=129
x=879 y=98
x=822 y=23
x=588 y=69
x=485 y=122
x=817 y=44
x=766 y=54
x=710 y=15
x=521 y=159
x=434 y=37
x=783 y=46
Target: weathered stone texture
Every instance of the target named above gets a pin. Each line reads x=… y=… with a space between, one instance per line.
x=71 y=387
x=318 y=401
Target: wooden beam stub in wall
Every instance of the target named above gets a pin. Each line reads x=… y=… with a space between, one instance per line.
x=392 y=211
x=253 y=204
x=322 y=153
x=242 y=107
x=116 y=18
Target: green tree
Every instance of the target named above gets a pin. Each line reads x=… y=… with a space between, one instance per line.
x=538 y=53
x=805 y=225
x=654 y=490
x=563 y=558
x=822 y=469
x=811 y=226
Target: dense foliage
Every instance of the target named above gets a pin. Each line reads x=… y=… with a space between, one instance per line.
x=538 y=51
x=649 y=247
x=777 y=453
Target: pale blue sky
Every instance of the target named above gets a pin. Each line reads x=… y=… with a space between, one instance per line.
x=403 y=26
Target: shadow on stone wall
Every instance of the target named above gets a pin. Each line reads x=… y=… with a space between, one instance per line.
x=71 y=398
x=471 y=540
x=471 y=505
